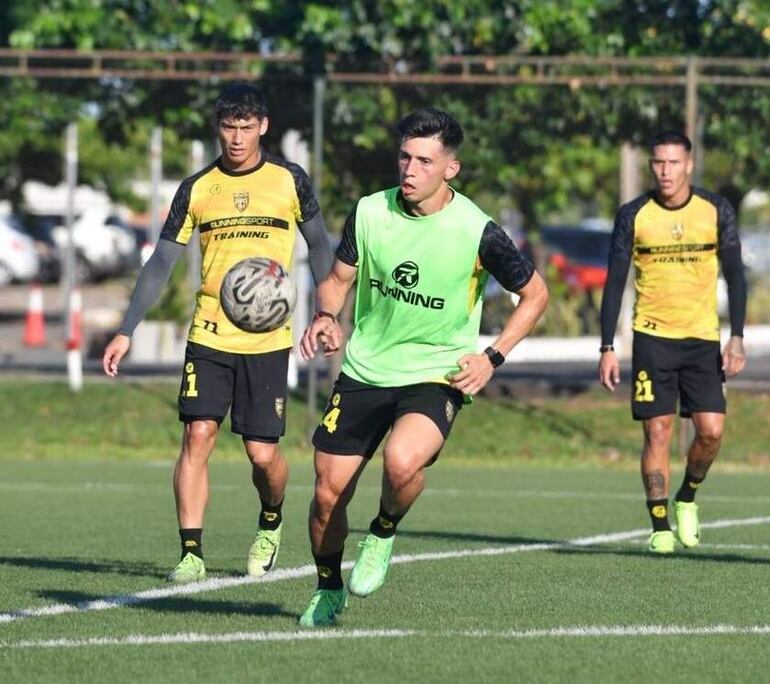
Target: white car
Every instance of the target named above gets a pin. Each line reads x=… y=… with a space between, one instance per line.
x=104 y=245
x=18 y=256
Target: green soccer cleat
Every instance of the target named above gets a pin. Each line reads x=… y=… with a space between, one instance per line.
x=687 y=525
x=324 y=607
x=190 y=569
x=264 y=551
x=371 y=566
x=662 y=542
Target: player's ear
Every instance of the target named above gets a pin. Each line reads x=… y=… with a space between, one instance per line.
x=690 y=165
x=264 y=124
x=452 y=169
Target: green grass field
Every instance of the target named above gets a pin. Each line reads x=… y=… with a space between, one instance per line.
x=503 y=571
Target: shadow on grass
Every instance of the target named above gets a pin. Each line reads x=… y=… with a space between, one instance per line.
x=465 y=537
x=173 y=604
x=688 y=556
x=133 y=568
x=560 y=546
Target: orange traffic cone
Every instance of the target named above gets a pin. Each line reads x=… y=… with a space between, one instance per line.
x=34 y=326
x=74 y=328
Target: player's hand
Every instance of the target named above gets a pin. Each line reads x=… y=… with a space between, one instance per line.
x=114 y=353
x=733 y=356
x=475 y=372
x=609 y=370
x=324 y=331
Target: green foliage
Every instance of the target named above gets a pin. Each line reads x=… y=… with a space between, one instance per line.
x=544 y=150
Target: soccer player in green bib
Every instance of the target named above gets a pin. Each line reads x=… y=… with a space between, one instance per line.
x=421 y=254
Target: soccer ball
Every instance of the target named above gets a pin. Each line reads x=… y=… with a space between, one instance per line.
x=257 y=295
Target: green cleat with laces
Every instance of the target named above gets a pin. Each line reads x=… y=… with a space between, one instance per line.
x=324 y=607
x=371 y=566
x=687 y=524
x=264 y=551
x=190 y=569
x=662 y=542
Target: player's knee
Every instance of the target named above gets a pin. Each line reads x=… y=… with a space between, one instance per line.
x=658 y=433
x=262 y=454
x=710 y=436
x=328 y=496
x=199 y=438
x=401 y=466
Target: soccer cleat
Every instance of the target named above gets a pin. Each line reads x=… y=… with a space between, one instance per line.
x=371 y=566
x=190 y=569
x=263 y=552
x=324 y=607
x=687 y=525
x=662 y=542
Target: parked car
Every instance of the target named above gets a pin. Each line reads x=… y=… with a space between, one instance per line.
x=40 y=229
x=18 y=258
x=579 y=255
x=104 y=245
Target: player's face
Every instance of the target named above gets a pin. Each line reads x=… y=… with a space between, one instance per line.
x=424 y=167
x=671 y=165
x=239 y=139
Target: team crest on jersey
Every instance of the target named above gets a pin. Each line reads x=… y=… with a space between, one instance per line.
x=215 y=189
x=279 y=404
x=677 y=231
x=241 y=200
x=449 y=410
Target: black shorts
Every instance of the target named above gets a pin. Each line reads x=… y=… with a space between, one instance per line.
x=358 y=415
x=254 y=384
x=665 y=370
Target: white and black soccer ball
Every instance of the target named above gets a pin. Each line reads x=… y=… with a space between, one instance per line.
x=258 y=295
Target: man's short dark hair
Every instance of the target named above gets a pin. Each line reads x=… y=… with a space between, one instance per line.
x=240 y=101
x=432 y=123
x=671 y=138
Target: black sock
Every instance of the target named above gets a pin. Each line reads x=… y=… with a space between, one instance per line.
x=384 y=525
x=658 y=510
x=329 y=570
x=689 y=487
x=270 y=517
x=191 y=541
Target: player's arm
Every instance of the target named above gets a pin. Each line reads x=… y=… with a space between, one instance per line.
x=499 y=256
x=733 y=355
x=619 y=261
x=330 y=296
x=319 y=251
x=151 y=281
x=153 y=276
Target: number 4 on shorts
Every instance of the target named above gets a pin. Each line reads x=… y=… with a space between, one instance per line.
x=330 y=420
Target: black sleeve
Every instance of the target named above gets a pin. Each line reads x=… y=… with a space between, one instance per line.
x=308 y=203
x=153 y=276
x=735 y=277
x=347 y=250
x=318 y=247
x=726 y=224
x=621 y=250
x=503 y=260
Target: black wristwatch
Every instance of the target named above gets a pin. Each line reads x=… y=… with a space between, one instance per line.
x=494 y=356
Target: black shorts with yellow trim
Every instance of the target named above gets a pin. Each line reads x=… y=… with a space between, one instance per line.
x=670 y=371
x=359 y=415
x=251 y=386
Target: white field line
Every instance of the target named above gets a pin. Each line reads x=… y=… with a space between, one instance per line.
x=723 y=547
x=122 y=600
x=129 y=487
x=596 y=631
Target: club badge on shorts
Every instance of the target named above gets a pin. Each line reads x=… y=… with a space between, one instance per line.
x=449 y=410
x=279 y=404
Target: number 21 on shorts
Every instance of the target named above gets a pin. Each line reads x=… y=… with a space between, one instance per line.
x=329 y=420
x=643 y=387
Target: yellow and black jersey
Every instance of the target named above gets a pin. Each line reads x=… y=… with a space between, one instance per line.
x=238 y=215
x=676 y=254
